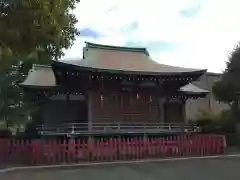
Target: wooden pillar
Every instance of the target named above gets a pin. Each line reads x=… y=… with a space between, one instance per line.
x=90 y=140
x=161 y=101
x=184 y=111
x=90 y=103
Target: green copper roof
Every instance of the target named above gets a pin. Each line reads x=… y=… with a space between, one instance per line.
x=127 y=60
x=117 y=48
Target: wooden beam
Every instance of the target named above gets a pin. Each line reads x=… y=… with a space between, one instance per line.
x=90 y=105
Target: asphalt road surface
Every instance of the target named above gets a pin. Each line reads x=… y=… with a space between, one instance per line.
x=202 y=169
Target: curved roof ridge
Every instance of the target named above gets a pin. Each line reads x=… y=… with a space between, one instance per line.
x=119 y=48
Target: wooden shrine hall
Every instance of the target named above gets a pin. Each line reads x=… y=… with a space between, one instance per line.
x=112 y=90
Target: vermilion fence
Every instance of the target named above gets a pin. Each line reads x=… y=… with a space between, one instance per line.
x=76 y=151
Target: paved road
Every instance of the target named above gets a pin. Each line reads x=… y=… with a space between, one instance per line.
x=214 y=169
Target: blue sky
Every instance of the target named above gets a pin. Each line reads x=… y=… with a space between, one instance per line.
x=188 y=33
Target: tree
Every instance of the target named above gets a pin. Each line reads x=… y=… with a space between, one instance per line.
x=32 y=31
x=29 y=25
x=15 y=110
x=228 y=88
x=10 y=94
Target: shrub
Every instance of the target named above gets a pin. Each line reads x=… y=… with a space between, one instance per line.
x=216 y=123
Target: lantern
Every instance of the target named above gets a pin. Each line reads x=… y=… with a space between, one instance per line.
x=101 y=98
x=150 y=103
x=137 y=96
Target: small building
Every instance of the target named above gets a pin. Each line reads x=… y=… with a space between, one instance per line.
x=112 y=90
x=209 y=104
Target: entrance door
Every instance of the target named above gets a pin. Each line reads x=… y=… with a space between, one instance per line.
x=79 y=108
x=82 y=113
x=173 y=112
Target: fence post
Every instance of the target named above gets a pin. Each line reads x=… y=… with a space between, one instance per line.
x=90 y=149
x=112 y=149
x=36 y=152
x=73 y=129
x=4 y=148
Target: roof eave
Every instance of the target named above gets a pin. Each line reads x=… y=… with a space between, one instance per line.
x=193 y=89
x=33 y=86
x=79 y=67
x=119 y=48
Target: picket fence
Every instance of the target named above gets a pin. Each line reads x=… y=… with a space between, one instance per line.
x=45 y=152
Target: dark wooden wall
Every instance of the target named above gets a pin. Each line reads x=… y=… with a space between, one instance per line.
x=125 y=107
x=116 y=105
x=110 y=103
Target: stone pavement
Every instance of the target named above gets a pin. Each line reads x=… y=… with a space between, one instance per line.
x=197 y=169
x=3 y=166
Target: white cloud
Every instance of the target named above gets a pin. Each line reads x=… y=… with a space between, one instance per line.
x=204 y=40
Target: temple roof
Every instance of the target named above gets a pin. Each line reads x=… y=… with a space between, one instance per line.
x=40 y=76
x=122 y=59
x=190 y=88
x=43 y=76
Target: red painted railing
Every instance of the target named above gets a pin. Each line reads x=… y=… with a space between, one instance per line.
x=76 y=151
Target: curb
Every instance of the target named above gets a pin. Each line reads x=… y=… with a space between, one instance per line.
x=65 y=166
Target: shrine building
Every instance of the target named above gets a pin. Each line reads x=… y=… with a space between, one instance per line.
x=112 y=90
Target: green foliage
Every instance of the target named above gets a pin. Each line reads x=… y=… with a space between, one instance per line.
x=29 y=25
x=14 y=109
x=224 y=92
x=11 y=96
x=32 y=32
x=216 y=123
x=228 y=88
